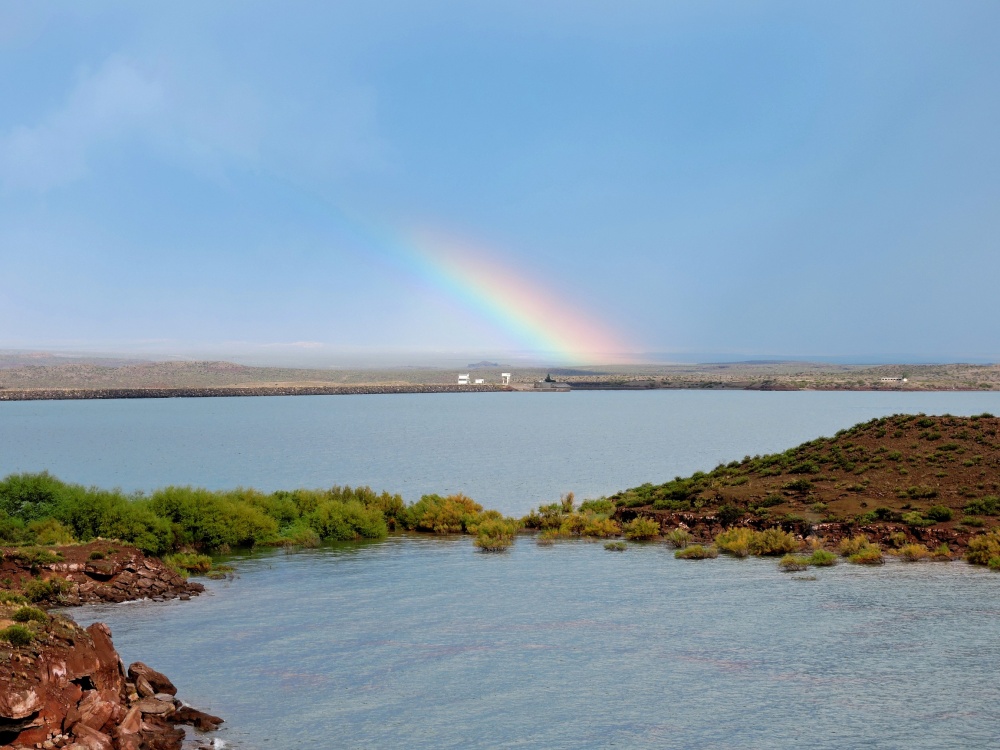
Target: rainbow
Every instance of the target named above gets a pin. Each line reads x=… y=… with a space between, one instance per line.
x=539 y=319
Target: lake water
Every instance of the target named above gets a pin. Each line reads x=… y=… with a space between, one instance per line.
x=509 y=451
x=423 y=642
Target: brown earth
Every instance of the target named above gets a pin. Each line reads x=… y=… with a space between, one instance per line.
x=881 y=478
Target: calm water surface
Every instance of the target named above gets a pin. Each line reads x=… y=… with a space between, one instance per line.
x=425 y=643
x=509 y=451
x=417 y=642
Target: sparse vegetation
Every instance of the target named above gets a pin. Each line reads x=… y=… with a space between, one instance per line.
x=696 y=552
x=641 y=529
x=615 y=546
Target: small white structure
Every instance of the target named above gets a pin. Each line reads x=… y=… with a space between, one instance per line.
x=893 y=380
x=479 y=381
x=463 y=379
x=504 y=378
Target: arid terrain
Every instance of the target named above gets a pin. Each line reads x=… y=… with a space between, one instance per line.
x=933 y=479
x=23 y=374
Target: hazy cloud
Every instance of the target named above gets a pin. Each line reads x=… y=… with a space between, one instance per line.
x=104 y=105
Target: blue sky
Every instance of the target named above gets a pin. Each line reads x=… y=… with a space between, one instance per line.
x=811 y=179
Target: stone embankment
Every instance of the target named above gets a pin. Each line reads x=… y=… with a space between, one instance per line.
x=59 y=394
x=68 y=688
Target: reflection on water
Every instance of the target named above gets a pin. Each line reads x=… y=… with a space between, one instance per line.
x=416 y=642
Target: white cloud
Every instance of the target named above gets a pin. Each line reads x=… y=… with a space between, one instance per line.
x=104 y=105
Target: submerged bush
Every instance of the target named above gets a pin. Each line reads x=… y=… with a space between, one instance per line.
x=641 y=528
x=871 y=555
x=615 y=546
x=495 y=535
x=679 y=537
x=696 y=552
x=794 y=563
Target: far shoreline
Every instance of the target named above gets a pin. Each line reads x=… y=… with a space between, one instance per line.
x=91 y=394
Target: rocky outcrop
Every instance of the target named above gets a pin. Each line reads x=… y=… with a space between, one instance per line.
x=121 y=574
x=69 y=689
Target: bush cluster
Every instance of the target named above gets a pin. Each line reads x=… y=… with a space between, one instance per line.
x=740 y=541
x=38 y=508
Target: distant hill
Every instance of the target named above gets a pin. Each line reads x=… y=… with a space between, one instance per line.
x=933 y=477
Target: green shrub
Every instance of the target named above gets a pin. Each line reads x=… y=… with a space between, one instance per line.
x=918 y=492
x=915 y=518
x=822 y=558
x=11 y=597
x=770 y=501
x=679 y=538
x=96 y=555
x=939 y=513
x=773 y=541
x=600 y=527
x=913 y=552
x=728 y=514
x=50 y=531
x=348 y=521
x=943 y=552
x=852 y=545
x=188 y=562
x=983 y=547
x=987 y=506
x=696 y=552
x=615 y=546
x=802 y=486
x=49 y=590
x=735 y=541
x=299 y=534
x=17 y=635
x=640 y=528
x=27 y=614
x=602 y=506
x=442 y=515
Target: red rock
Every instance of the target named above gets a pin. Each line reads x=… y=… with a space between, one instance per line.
x=18 y=704
x=92 y=711
x=92 y=739
x=159 y=681
x=109 y=675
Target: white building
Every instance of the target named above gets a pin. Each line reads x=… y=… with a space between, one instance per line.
x=463 y=379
